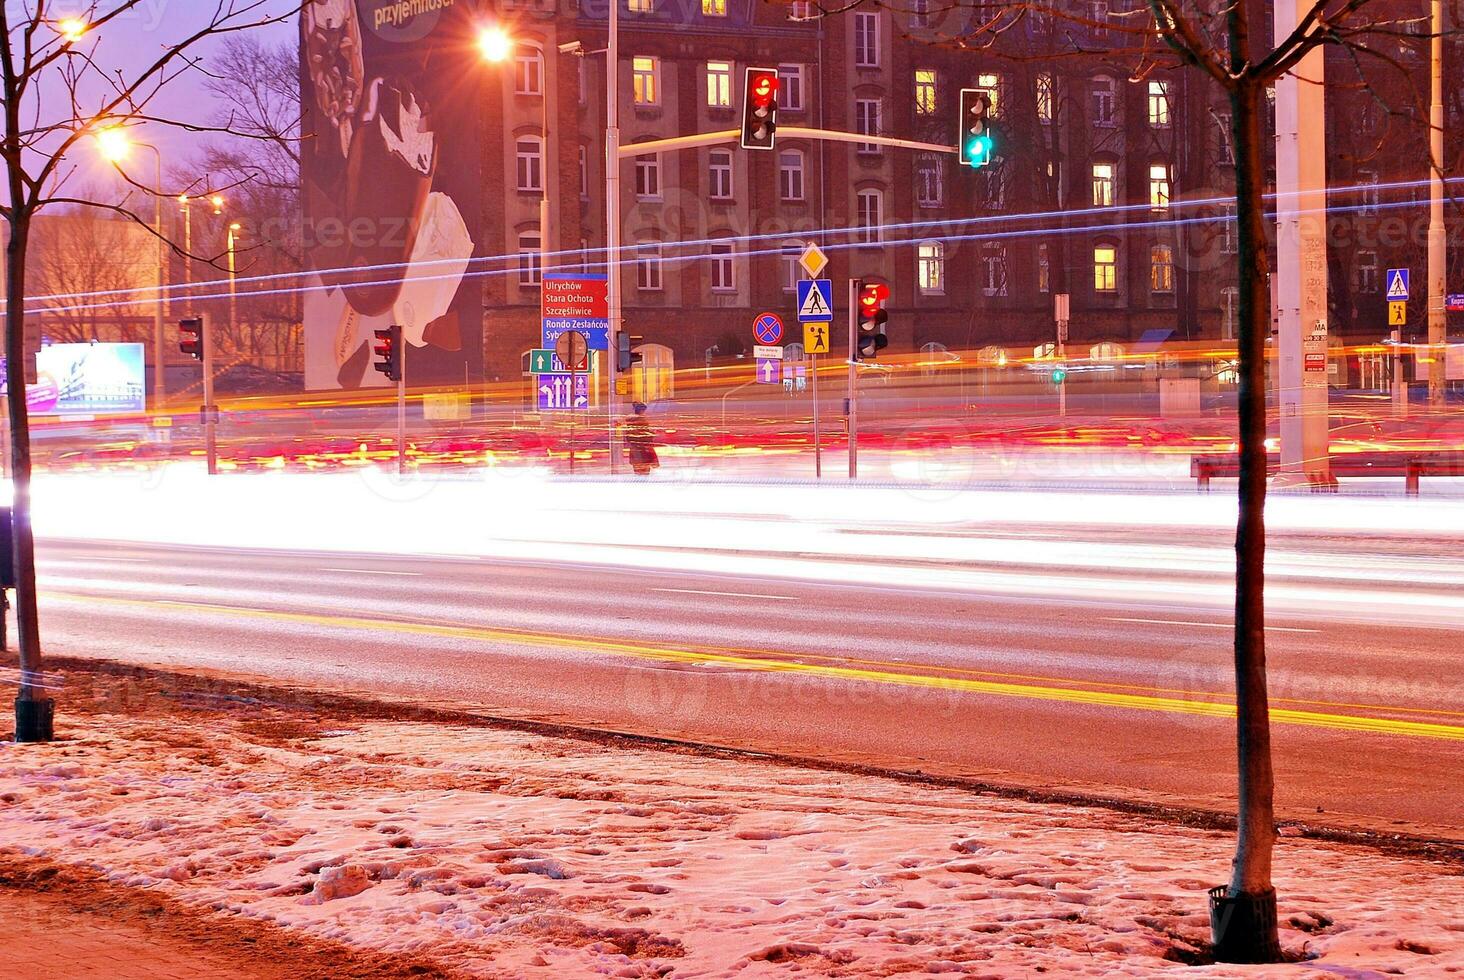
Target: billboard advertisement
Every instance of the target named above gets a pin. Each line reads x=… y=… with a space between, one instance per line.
x=89 y=379
x=390 y=172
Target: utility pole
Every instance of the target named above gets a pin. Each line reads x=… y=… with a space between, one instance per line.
x=1437 y=318
x=1300 y=281
x=401 y=406
x=612 y=221
x=160 y=376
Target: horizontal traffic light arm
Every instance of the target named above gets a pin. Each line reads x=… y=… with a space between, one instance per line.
x=784 y=132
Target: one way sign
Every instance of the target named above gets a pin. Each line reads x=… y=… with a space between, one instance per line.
x=1397 y=284
x=815 y=299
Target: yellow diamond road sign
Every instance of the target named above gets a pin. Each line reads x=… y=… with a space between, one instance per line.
x=813 y=260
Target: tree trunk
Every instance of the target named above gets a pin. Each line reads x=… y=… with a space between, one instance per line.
x=32 y=709
x=1243 y=917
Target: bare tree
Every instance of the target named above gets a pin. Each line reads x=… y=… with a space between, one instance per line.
x=59 y=92
x=1217 y=40
x=80 y=252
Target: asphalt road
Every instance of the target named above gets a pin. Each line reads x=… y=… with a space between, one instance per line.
x=1120 y=696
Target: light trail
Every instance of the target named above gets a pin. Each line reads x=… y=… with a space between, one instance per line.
x=1211 y=704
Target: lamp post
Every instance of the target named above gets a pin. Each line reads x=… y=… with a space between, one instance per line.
x=115 y=146
x=496 y=46
x=186 y=203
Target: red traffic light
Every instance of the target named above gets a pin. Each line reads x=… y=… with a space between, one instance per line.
x=764 y=88
x=388 y=352
x=873 y=295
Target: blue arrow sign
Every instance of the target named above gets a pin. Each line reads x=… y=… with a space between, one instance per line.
x=769 y=371
x=815 y=299
x=562 y=392
x=1397 y=284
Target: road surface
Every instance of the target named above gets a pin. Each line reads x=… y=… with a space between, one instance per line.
x=1082 y=680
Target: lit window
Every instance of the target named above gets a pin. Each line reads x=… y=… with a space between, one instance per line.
x=1104 y=102
x=801 y=10
x=1161 y=269
x=1044 y=97
x=643 y=80
x=1105 y=268
x=648 y=263
x=1159 y=105
x=866 y=39
x=991 y=85
x=1044 y=270
x=790 y=175
x=724 y=278
x=790 y=88
x=1103 y=185
x=641 y=6
x=719 y=84
x=930 y=269
x=528 y=72
x=528 y=154
x=866 y=121
x=1159 y=187
x=719 y=174
x=714 y=8
x=870 y=216
x=925 y=91
x=528 y=259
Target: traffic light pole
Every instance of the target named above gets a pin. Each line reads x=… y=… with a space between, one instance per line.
x=210 y=411
x=402 y=413
x=853 y=379
x=612 y=230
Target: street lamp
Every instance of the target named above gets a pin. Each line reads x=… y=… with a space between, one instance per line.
x=114 y=146
x=71 y=28
x=186 y=203
x=495 y=44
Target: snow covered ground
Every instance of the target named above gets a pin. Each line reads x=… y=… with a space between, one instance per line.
x=510 y=854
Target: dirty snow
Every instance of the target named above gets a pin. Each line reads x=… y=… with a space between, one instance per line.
x=509 y=854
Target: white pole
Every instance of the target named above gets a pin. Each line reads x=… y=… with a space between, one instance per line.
x=612 y=222
x=1437 y=318
x=853 y=380
x=160 y=378
x=401 y=356
x=1300 y=280
x=545 y=246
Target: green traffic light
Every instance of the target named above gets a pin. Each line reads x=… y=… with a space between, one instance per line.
x=1059 y=375
x=978 y=150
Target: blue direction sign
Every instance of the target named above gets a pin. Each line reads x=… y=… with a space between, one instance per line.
x=562 y=392
x=815 y=299
x=768 y=328
x=769 y=371
x=1397 y=284
x=596 y=331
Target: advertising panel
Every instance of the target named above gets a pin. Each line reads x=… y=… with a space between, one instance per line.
x=391 y=177
x=89 y=379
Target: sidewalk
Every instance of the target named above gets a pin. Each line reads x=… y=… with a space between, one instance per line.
x=505 y=854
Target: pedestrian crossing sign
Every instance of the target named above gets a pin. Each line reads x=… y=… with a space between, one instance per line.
x=815 y=299
x=816 y=336
x=1397 y=284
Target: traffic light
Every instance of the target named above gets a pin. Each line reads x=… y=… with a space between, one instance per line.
x=625 y=357
x=974 y=135
x=760 y=109
x=388 y=350
x=870 y=336
x=1059 y=375
x=190 y=337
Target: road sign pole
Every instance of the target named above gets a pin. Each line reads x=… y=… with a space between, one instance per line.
x=853 y=382
x=817 y=444
x=210 y=429
x=1400 y=384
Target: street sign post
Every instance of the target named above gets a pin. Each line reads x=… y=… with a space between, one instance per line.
x=767 y=328
x=815 y=300
x=1397 y=284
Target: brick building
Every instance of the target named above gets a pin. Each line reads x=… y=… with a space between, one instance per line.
x=1094 y=192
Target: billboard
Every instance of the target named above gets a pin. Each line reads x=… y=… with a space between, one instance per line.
x=89 y=379
x=391 y=180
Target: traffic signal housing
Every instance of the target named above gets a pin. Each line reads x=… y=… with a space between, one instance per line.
x=760 y=109
x=388 y=351
x=974 y=135
x=870 y=319
x=625 y=357
x=1059 y=375
x=190 y=337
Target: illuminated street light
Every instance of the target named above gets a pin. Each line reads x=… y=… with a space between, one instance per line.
x=218 y=204
x=71 y=28
x=495 y=44
x=113 y=144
